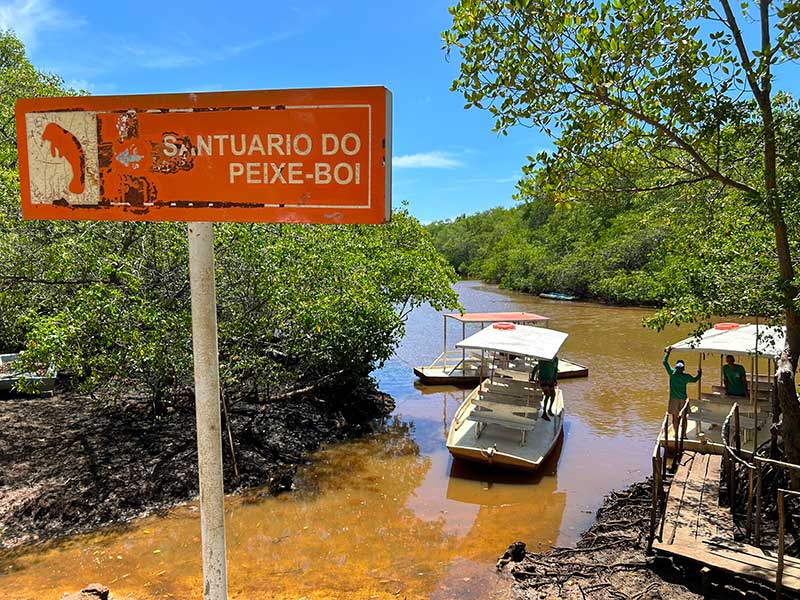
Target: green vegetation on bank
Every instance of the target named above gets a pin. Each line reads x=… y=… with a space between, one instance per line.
x=299 y=306
x=695 y=250
x=613 y=253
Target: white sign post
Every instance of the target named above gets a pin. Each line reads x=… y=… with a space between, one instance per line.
x=209 y=428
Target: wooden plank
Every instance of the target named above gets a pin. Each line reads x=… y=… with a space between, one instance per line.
x=689 y=524
x=509 y=399
x=512 y=374
x=702 y=531
x=718 y=519
x=693 y=512
x=511 y=387
x=734 y=561
x=675 y=497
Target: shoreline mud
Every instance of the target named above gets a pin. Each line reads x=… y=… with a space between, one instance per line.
x=67 y=467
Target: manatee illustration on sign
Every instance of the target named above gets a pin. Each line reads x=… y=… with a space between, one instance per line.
x=312 y=156
x=62 y=158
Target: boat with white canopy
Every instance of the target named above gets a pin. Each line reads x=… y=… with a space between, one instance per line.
x=463 y=366
x=500 y=422
x=755 y=347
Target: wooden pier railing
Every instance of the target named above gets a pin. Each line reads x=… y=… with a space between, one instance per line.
x=735 y=463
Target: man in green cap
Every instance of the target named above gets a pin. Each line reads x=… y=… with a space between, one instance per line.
x=677 y=386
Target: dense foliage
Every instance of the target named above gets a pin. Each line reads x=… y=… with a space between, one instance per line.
x=677 y=93
x=110 y=303
x=612 y=253
x=649 y=98
x=692 y=250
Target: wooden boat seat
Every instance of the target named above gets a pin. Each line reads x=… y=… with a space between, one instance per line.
x=513 y=374
x=504 y=414
x=510 y=398
x=707 y=415
x=720 y=397
x=510 y=386
x=763 y=393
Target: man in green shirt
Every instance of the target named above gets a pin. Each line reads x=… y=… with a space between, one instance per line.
x=677 y=386
x=547 y=372
x=734 y=377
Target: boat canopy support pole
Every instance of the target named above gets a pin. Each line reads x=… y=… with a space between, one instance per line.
x=463 y=350
x=444 y=344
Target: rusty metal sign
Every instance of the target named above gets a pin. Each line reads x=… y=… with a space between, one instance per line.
x=301 y=156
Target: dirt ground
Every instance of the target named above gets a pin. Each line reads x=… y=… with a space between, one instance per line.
x=610 y=561
x=67 y=468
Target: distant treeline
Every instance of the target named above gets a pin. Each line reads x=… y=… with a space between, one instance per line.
x=642 y=249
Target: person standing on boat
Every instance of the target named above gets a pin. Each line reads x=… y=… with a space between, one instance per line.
x=547 y=373
x=677 y=386
x=734 y=377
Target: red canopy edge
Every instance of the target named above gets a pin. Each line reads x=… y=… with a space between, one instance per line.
x=493 y=317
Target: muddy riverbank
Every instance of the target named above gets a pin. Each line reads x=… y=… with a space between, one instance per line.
x=610 y=561
x=67 y=467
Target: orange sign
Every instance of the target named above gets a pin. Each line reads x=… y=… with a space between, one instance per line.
x=299 y=156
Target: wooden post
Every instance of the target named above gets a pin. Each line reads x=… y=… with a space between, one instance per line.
x=755 y=399
x=463 y=350
x=759 y=476
x=666 y=444
x=656 y=497
x=700 y=356
x=732 y=481
x=731 y=463
x=209 y=428
x=444 y=345
x=737 y=437
x=781 y=542
x=749 y=523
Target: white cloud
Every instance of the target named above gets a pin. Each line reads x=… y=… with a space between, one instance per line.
x=426 y=160
x=28 y=18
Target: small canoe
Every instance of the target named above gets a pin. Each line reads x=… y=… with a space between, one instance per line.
x=557 y=296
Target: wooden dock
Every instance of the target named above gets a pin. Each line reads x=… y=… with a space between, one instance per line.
x=695 y=527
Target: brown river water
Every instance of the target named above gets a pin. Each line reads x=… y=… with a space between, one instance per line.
x=392 y=516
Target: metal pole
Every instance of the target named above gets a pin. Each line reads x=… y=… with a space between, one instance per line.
x=209 y=429
x=444 y=345
x=463 y=350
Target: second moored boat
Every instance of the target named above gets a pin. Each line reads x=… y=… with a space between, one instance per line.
x=468 y=366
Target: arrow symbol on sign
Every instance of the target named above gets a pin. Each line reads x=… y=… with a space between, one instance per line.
x=126 y=157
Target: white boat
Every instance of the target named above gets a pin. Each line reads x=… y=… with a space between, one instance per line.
x=500 y=422
x=41 y=382
x=709 y=404
x=466 y=366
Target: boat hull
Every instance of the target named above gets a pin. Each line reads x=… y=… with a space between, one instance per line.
x=502 y=447
x=501 y=459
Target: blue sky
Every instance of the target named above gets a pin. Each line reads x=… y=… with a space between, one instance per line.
x=447 y=161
